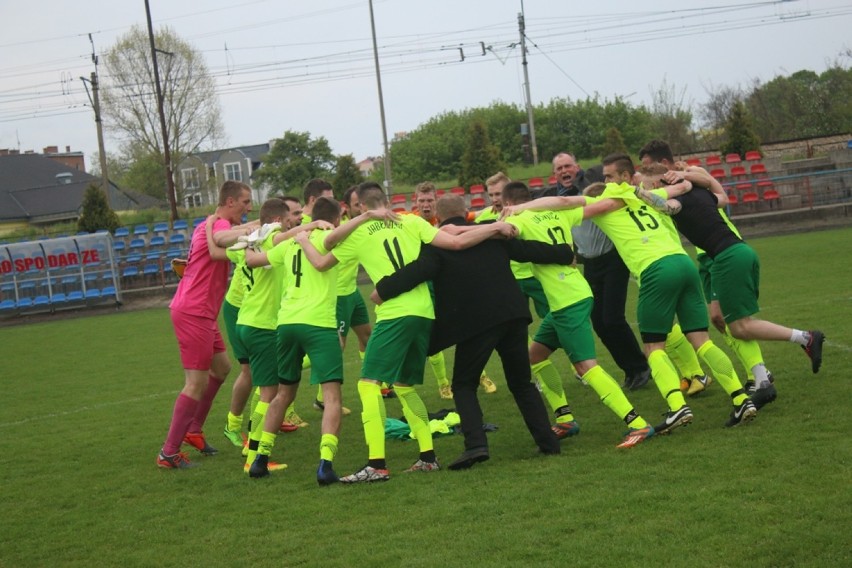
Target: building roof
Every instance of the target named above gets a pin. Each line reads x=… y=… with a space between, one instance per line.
x=30 y=190
x=254 y=153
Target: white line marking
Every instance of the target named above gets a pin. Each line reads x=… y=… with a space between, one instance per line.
x=86 y=409
x=838 y=346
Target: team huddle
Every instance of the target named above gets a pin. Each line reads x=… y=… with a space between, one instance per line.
x=293 y=297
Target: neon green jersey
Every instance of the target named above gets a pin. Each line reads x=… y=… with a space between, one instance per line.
x=382 y=248
x=666 y=220
x=487 y=214
x=239 y=281
x=261 y=301
x=636 y=230
x=310 y=296
x=563 y=285
x=347 y=277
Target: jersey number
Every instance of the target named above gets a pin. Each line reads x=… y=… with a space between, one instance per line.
x=647 y=220
x=395 y=255
x=248 y=273
x=557 y=240
x=297 y=268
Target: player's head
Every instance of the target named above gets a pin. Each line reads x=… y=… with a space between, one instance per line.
x=315 y=189
x=651 y=176
x=565 y=168
x=618 y=168
x=594 y=189
x=657 y=151
x=351 y=202
x=425 y=197
x=326 y=209
x=515 y=193
x=234 y=200
x=294 y=216
x=494 y=186
x=372 y=196
x=450 y=206
x=273 y=210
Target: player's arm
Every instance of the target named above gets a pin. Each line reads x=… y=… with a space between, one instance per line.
x=216 y=252
x=290 y=233
x=473 y=237
x=660 y=199
x=321 y=262
x=539 y=253
x=551 y=203
x=602 y=207
x=346 y=229
x=423 y=269
x=255 y=259
x=700 y=178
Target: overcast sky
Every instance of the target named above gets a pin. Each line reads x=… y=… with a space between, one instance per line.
x=308 y=66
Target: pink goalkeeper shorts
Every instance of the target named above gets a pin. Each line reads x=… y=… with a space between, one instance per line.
x=198 y=340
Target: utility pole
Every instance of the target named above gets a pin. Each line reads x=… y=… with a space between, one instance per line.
x=96 y=105
x=521 y=26
x=167 y=156
x=387 y=160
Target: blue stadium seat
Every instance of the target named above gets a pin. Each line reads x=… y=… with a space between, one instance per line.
x=137 y=244
x=180 y=225
x=6 y=305
x=197 y=221
x=174 y=253
x=75 y=295
x=177 y=240
x=118 y=246
x=41 y=301
x=7 y=287
x=58 y=298
x=140 y=230
x=151 y=269
x=132 y=258
x=161 y=228
x=108 y=291
x=130 y=271
x=157 y=241
x=122 y=232
x=25 y=302
x=93 y=293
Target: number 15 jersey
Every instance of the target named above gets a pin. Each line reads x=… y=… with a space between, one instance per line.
x=382 y=248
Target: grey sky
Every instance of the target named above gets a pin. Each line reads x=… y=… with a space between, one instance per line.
x=307 y=66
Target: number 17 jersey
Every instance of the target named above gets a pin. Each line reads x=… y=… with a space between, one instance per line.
x=382 y=248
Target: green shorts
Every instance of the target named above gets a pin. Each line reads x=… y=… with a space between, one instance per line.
x=320 y=344
x=571 y=329
x=532 y=289
x=229 y=314
x=263 y=361
x=396 y=351
x=351 y=312
x=705 y=265
x=670 y=287
x=736 y=280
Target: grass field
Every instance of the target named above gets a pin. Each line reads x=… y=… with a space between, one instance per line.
x=86 y=405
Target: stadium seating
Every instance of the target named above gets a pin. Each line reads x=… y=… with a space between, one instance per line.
x=771 y=195
x=713 y=160
x=160 y=228
x=75 y=296
x=197 y=221
x=750 y=197
x=121 y=232
x=398 y=198
x=757 y=169
x=753 y=156
x=477 y=203
x=477 y=189
x=738 y=171
x=93 y=294
x=118 y=246
x=744 y=186
x=136 y=245
x=458 y=191
x=140 y=230
x=719 y=174
x=536 y=183
x=732 y=198
x=58 y=298
x=551 y=181
x=733 y=159
x=693 y=162
x=180 y=225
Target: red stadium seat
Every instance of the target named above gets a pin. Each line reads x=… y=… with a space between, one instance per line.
x=477 y=203
x=719 y=174
x=770 y=194
x=733 y=159
x=477 y=189
x=536 y=183
x=757 y=169
x=713 y=160
x=753 y=156
x=738 y=171
x=744 y=186
x=458 y=191
x=732 y=198
x=750 y=197
x=440 y=192
x=398 y=198
x=693 y=162
x=551 y=180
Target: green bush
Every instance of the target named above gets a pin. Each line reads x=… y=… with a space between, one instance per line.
x=95 y=212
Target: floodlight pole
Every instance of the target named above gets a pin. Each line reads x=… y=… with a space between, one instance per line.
x=386 y=162
x=522 y=27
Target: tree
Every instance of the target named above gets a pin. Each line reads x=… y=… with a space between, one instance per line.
x=129 y=100
x=481 y=159
x=741 y=136
x=346 y=174
x=613 y=144
x=293 y=160
x=672 y=118
x=95 y=213
x=715 y=112
x=137 y=171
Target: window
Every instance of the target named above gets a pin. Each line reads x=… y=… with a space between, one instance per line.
x=193 y=200
x=190 y=178
x=232 y=172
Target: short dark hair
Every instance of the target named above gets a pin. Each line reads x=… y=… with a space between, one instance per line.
x=372 y=195
x=347 y=195
x=623 y=163
x=658 y=150
x=291 y=198
x=315 y=188
x=326 y=209
x=516 y=192
x=231 y=189
x=272 y=208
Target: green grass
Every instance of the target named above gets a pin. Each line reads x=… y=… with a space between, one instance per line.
x=87 y=402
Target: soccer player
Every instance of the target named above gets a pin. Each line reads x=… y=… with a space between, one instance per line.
x=735 y=269
x=312 y=191
x=668 y=285
x=396 y=352
x=194 y=310
x=568 y=323
x=494 y=187
x=659 y=152
x=472 y=282
x=306 y=324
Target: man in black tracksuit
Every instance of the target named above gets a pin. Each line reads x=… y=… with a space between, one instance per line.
x=479 y=307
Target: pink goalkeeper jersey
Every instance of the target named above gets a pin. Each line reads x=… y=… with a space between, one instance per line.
x=201 y=290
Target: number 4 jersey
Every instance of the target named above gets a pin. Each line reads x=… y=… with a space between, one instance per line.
x=309 y=296
x=563 y=285
x=382 y=248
